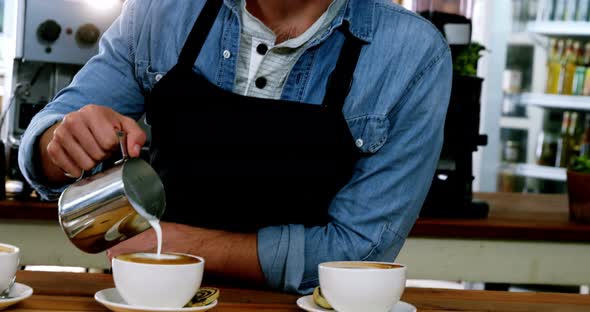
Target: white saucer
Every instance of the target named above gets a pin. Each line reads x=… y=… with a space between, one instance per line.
x=20 y=292
x=306 y=303
x=111 y=299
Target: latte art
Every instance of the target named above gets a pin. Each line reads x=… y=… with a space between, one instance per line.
x=4 y=249
x=363 y=265
x=153 y=258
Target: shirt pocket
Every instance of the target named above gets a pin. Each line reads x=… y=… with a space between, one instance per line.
x=369 y=132
x=148 y=76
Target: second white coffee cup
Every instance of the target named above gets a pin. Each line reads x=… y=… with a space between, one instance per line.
x=352 y=286
x=157 y=285
x=9 y=261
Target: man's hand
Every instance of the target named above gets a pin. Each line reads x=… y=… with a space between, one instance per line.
x=227 y=255
x=85 y=138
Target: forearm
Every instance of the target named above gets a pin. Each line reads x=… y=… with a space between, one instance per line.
x=230 y=255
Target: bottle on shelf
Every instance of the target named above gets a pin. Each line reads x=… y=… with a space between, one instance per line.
x=523 y=12
x=547 y=140
x=554 y=66
x=585 y=144
x=559 y=10
x=586 y=90
x=583 y=10
x=569 y=64
x=575 y=135
x=563 y=10
x=582 y=67
x=563 y=141
x=569 y=144
x=545 y=10
x=570 y=10
x=513 y=144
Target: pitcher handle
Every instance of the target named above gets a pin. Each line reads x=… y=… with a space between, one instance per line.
x=122 y=135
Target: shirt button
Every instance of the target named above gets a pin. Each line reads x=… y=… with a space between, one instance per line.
x=262 y=49
x=359 y=142
x=260 y=83
x=158 y=77
x=226 y=54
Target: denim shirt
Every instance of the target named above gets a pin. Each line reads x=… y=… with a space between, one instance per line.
x=395 y=110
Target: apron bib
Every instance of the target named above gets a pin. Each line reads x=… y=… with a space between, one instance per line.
x=241 y=163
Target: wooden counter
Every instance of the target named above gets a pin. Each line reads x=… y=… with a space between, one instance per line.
x=75 y=291
x=512 y=217
x=28 y=210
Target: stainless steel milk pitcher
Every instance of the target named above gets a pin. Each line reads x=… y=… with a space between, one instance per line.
x=102 y=210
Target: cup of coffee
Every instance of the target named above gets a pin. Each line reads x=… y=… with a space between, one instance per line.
x=168 y=280
x=9 y=261
x=361 y=285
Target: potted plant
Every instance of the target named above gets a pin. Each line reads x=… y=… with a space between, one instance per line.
x=578 y=185
x=466 y=57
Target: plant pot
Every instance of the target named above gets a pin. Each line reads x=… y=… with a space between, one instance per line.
x=578 y=185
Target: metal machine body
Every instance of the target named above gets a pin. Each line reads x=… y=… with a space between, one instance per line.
x=47 y=42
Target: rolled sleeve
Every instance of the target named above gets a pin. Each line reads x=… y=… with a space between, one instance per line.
x=281 y=255
x=27 y=155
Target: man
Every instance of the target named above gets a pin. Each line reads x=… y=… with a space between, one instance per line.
x=286 y=133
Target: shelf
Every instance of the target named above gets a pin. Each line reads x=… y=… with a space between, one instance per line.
x=573 y=102
x=561 y=29
x=520 y=38
x=540 y=172
x=511 y=122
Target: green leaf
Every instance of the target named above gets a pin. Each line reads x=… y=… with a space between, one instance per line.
x=466 y=62
x=581 y=164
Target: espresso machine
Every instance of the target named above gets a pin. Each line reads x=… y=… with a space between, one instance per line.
x=451 y=193
x=47 y=42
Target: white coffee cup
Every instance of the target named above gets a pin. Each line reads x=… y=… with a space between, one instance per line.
x=9 y=261
x=362 y=286
x=162 y=285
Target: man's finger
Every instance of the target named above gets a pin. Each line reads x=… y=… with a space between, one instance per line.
x=135 y=136
x=89 y=143
x=62 y=160
x=74 y=150
x=102 y=125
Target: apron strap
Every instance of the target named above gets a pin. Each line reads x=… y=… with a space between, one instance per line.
x=341 y=78
x=196 y=39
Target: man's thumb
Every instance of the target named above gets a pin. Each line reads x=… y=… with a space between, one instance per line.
x=135 y=136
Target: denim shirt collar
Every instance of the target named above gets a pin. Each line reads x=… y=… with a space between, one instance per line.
x=358 y=13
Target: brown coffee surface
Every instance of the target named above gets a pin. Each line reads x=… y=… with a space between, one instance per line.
x=153 y=258
x=6 y=249
x=363 y=265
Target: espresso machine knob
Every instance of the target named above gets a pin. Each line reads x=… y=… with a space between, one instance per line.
x=87 y=34
x=49 y=31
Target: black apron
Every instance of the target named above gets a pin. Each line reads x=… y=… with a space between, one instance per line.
x=241 y=163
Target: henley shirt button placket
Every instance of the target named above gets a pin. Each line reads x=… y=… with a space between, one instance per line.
x=262 y=49
x=260 y=82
